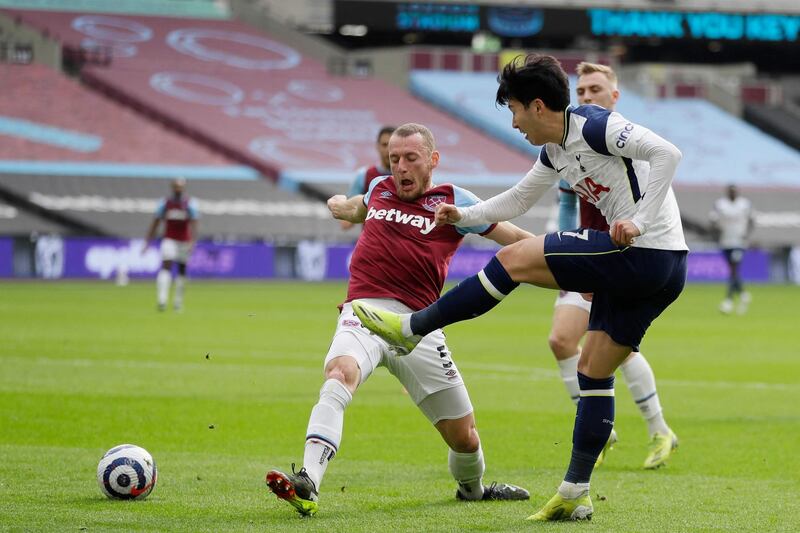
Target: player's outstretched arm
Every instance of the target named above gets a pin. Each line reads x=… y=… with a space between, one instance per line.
x=350 y=209
x=506 y=233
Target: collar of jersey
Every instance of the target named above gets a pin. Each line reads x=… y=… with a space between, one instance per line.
x=567 y=113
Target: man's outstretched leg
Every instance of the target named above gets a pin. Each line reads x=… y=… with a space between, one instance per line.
x=324 y=434
x=593 y=425
x=521 y=262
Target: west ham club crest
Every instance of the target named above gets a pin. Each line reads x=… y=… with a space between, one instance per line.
x=431 y=202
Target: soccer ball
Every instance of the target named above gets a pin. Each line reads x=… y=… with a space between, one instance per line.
x=127 y=472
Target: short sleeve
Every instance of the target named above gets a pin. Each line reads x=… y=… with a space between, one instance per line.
x=371 y=187
x=465 y=198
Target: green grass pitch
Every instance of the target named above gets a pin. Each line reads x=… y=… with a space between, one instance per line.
x=221 y=393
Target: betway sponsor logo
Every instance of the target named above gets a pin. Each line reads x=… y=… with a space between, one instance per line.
x=424 y=224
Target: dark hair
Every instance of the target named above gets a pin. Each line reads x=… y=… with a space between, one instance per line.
x=384 y=131
x=532 y=77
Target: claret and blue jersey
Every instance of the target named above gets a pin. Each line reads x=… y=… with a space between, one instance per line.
x=401 y=253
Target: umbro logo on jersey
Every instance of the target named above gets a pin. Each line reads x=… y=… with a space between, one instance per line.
x=386 y=194
x=424 y=224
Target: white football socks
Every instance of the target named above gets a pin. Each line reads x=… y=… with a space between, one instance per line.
x=163 y=280
x=570 y=491
x=642 y=383
x=467 y=469
x=325 y=428
x=569 y=375
x=177 y=301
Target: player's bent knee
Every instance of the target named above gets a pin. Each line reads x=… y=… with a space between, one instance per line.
x=345 y=370
x=562 y=346
x=460 y=434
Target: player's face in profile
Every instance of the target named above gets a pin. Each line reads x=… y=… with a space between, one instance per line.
x=383 y=149
x=525 y=120
x=595 y=88
x=412 y=165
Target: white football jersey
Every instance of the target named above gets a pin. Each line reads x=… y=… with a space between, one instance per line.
x=606 y=159
x=733 y=220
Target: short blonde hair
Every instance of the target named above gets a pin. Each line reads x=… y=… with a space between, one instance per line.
x=584 y=68
x=412 y=128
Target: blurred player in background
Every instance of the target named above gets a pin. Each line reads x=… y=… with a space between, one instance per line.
x=635 y=271
x=732 y=219
x=400 y=262
x=597 y=84
x=365 y=175
x=180 y=214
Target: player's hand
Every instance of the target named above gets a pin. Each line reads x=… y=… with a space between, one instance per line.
x=623 y=232
x=337 y=206
x=588 y=296
x=447 y=214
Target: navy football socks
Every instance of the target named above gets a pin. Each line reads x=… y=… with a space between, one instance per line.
x=593 y=424
x=472 y=297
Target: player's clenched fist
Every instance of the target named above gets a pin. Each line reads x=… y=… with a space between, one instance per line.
x=337 y=205
x=623 y=232
x=447 y=214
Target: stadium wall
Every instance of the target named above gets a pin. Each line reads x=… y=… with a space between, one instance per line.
x=54 y=257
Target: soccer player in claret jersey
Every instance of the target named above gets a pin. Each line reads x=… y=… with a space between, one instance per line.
x=634 y=271
x=399 y=263
x=365 y=175
x=180 y=215
x=597 y=84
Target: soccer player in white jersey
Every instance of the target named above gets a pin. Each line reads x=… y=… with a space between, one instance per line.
x=400 y=262
x=635 y=271
x=597 y=84
x=732 y=218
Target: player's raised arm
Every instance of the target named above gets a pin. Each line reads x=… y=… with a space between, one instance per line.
x=630 y=140
x=350 y=209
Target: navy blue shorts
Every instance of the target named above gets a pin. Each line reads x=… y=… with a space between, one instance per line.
x=733 y=255
x=631 y=286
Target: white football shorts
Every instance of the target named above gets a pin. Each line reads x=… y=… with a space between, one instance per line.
x=573 y=298
x=428 y=373
x=172 y=250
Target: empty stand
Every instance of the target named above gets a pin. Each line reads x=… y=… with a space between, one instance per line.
x=45 y=116
x=256 y=100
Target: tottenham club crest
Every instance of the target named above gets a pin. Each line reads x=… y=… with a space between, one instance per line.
x=431 y=202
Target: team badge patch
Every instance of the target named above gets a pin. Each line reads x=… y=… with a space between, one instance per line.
x=431 y=202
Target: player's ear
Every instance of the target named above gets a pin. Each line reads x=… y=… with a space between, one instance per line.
x=434 y=159
x=615 y=95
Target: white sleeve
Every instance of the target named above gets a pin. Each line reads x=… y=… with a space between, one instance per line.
x=633 y=141
x=513 y=202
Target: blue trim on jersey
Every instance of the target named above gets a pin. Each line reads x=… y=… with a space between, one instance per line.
x=632 y=179
x=544 y=158
x=567 y=207
x=372 y=185
x=357 y=184
x=194 y=212
x=161 y=208
x=465 y=198
x=594 y=129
